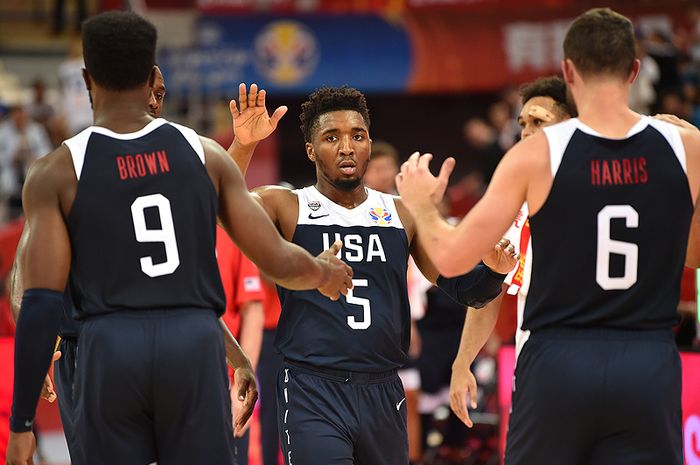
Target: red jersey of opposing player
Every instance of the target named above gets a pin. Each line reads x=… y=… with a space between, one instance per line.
x=240 y=278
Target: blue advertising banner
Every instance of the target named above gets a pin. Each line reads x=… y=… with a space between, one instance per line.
x=291 y=55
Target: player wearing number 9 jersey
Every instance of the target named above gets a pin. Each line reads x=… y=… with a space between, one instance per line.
x=610 y=197
x=340 y=400
x=125 y=214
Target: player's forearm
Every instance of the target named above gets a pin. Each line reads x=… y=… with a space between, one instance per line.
x=241 y=154
x=296 y=269
x=234 y=354
x=439 y=239
x=37 y=329
x=252 y=322
x=477 y=328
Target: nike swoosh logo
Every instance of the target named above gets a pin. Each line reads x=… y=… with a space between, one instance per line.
x=312 y=217
x=398 y=404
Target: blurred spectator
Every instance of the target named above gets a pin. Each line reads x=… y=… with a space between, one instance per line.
x=662 y=49
x=76 y=106
x=642 y=93
x=22 y=141
x=501 y=119
x=40 y=109
x=483 y=142
x=382 y=168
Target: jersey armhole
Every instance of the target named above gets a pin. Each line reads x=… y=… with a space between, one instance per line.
x=77 y=146
x=193 y=138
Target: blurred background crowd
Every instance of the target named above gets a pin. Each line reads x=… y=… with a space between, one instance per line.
x=440 y=76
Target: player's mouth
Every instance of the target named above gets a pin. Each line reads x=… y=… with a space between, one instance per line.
x=347 y=167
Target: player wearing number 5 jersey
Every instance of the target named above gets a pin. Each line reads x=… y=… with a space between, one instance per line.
x=610 y=197
x=339 y=398
x=125 y=214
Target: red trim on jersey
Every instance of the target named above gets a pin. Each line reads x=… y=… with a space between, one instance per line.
x=524 y=242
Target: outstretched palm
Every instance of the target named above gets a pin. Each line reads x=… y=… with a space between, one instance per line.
x=251 y=123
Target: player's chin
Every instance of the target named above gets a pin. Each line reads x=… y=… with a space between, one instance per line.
x=348 y=182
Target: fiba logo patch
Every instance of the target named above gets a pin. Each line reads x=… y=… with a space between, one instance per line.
x=286 y=52
x=692 y=440
x=380 y=216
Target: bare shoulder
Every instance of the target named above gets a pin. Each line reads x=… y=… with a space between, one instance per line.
x=52 y=174
x=282 y=206
x=277 y=195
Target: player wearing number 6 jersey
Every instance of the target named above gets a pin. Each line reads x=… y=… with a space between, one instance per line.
x=598 y=381
x=125 y=214
x=339 y=398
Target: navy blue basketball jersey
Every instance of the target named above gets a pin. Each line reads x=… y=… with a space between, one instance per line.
x=609 y=242
x=143 y=223
x=368 y=330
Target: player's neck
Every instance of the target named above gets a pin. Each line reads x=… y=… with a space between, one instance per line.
x=121 y=112
x=345 y=198
x=602 y=105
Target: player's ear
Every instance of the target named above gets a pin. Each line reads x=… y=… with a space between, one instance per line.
x=636 y=66
x=567 y=70
x=152 y=77
x=310 y=152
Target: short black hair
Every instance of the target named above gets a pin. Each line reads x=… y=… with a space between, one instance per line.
x=327 y=99
x=551 y=86
x=119 y=49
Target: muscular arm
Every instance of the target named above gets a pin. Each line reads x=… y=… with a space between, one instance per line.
x=457 y=249
x=250 y=227
x=16 y=289
x=474 y=288
x=46 y=262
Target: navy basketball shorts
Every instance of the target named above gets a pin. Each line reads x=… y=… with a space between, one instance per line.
x=332 y=417
x=64 y=376
x=596 y=397
x=152 y=386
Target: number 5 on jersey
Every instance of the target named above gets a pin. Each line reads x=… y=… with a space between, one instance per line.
x=164 y=234
x=362 y=302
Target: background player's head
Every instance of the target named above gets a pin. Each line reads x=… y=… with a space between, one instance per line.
x=335 y=123
x=544 y=103
x=157 y=98
x=383 y=167
x=599 y=45
x=119 y=50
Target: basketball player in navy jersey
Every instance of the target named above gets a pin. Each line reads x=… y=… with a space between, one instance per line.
x=544 y=103
x=339 y=398
x=599 y=380
x=64 y=371
x=127 y=210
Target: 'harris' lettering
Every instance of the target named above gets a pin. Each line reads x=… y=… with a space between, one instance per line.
x=619 y=172
x=142 y=165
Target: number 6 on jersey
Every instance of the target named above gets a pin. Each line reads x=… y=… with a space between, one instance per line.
x=166 y=234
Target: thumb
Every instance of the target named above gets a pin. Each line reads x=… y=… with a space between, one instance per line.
x=56 y=355
x=335 y=248
x=446 y=170
x=277 y=115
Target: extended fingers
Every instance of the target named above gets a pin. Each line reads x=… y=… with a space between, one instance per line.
x=253 y=95
x=242 y=97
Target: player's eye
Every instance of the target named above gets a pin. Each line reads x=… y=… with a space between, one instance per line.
x=522 y=124
x=331 y=138
x=537 y=122
x=358 y=137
